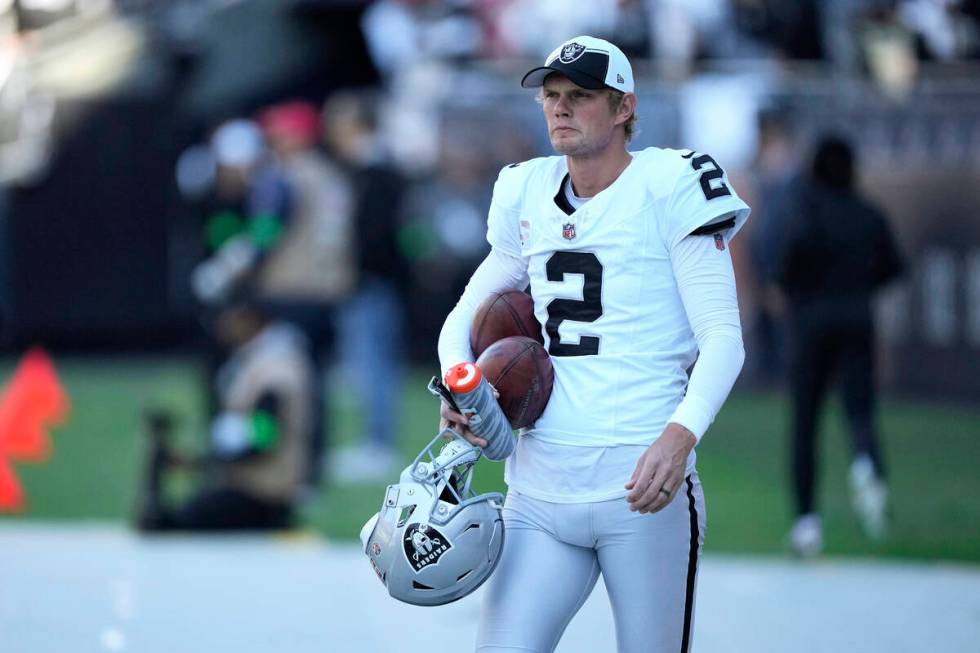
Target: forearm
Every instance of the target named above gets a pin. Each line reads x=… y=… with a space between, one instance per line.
x=497 y=272
x=718 y=366
x=706 y=283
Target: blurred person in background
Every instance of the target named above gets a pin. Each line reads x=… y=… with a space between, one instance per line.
x=445 y=224
x=834 y=251
x=258 y=452
x=239 y=197
x=278 y=217
x=776 y=176
x=310 y=267
x=371 y=323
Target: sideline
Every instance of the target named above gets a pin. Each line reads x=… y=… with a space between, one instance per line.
x=97 y=587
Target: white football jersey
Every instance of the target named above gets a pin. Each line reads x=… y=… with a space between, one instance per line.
x=604 y=290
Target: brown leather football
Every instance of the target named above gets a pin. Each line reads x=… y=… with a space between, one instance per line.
x=503 y=314
x=520 y=369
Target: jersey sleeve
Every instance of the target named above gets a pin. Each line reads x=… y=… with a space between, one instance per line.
x=503 y=228
x=703 y=201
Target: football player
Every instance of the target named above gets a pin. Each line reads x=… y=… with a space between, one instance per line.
x=627 y=258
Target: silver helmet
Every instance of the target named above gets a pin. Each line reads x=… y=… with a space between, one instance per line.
x=434 y=541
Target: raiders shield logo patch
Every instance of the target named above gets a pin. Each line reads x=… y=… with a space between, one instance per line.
x=571 y=52
x=568 y=231
x=424 y=546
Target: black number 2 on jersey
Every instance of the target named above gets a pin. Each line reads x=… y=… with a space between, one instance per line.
x=587 y=309
x=708 y=178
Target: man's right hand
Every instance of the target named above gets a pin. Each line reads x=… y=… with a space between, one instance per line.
x=449 y=418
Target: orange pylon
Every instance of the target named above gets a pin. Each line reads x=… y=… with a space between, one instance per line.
x=33 y=401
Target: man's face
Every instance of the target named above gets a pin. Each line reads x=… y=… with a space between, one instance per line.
x=580 y=121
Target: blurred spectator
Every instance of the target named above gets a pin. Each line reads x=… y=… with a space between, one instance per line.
x=776 y=172
x=311 y=268
x=371 y=323
x=447 y=221
x=835 y=251
x=243 y=198
x=890 y=51
x=532 y=27
x=257 y=456
x=946 y=29
x=788 y=30
x=839 y=21
x=402 y=33
x=278 y=219
x=239 y=197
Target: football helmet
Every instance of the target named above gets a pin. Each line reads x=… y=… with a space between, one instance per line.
x=434 y=541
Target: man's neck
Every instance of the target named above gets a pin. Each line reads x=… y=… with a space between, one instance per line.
x=592 y=175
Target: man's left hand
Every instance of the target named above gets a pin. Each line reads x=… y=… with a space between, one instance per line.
x=660 y=470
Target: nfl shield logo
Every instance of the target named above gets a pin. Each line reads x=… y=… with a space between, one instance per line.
x=568 y=231
x=571 y=52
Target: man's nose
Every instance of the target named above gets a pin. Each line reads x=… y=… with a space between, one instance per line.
x=562 y=106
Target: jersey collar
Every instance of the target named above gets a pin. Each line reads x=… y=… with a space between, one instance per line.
x=562 y=202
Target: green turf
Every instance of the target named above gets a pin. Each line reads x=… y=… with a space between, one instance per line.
x=931 y=452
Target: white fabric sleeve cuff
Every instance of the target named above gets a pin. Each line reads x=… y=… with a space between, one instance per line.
x=706 y=282
x=499 y=271
x=694 y=414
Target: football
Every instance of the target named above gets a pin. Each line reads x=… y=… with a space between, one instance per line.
x=520 y=369
x=503 y=314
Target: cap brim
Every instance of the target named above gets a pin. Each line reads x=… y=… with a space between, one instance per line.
x=536 y=77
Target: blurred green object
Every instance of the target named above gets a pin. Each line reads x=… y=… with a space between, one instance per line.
x=931 y=453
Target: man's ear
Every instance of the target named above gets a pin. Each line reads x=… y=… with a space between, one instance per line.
x=626 y=108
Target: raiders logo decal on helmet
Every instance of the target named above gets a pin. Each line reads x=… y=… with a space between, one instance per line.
x=571 y=52
x=424 y=545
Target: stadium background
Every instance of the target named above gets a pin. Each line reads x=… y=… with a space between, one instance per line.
x=98 y=99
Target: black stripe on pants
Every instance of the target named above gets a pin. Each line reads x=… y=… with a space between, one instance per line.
x=692 y=568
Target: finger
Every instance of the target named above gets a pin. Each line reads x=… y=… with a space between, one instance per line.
x=451 y=415
x=651 y=491
x=464 y=433
x=636 y=472
x=664 y=498
x=646 y=468
x=474 y=439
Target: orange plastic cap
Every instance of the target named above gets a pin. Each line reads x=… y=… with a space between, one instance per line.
x=463 y=377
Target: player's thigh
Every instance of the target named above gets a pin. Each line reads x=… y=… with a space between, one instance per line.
x=538 y=586
x=649 y=565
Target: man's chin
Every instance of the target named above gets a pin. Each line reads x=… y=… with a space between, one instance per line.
x=565 y=146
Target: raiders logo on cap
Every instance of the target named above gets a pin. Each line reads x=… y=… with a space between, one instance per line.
x=571 y=52
x=424 y=546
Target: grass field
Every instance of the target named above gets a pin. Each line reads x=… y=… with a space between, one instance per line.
x=931 y=452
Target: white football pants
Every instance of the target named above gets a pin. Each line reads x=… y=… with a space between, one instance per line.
x=554 y=552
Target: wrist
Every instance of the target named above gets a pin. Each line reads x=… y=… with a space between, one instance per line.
x=681 y=435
